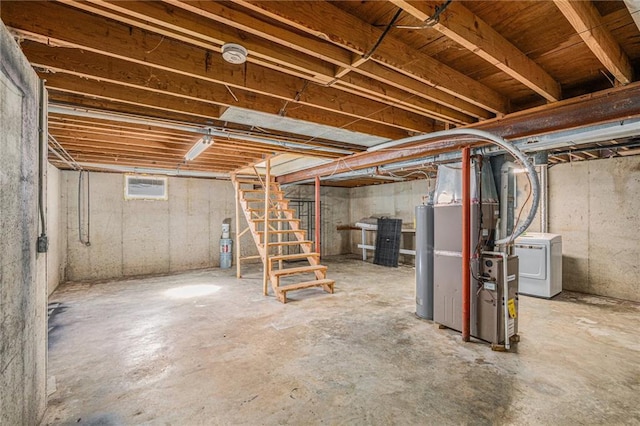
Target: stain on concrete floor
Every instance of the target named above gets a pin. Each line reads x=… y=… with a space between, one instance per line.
x=205 y=348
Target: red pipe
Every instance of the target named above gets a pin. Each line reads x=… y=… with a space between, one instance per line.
x=466 y=242
x=318 y=216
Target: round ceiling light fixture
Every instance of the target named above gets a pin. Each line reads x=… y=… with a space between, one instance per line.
x=234 y=53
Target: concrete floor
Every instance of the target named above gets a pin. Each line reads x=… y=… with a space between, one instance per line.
x=160 y=350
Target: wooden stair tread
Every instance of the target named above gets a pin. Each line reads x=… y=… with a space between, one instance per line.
x=252 y=181
x=273 y=191
x=292 y=256
x=289 y=243
x=276 y=220
x=272 y=209
x=255 y=200
x=282 y=231
x=305 y=284
x=298 y=270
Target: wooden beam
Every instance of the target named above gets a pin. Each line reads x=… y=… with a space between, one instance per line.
x=159 y=141
x=68 y=27
x=171 y=21
x=71 y=99
x=609 y=105
x=150 y=163
x=82 y=101
x=372 y=89
x=176 y=93
x=98 y=148
x=172 y=136
x=350 y=32
x=115 y=142
x=224 y=148
x=406 y=83
x=88 y=65
x=317 y=48
x=97 y=127
x=586 y=20
x=460 y=25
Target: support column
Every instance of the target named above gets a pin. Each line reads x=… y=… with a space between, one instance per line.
x=318 y=216
x=238 y=237
x=466 y=242
x=267 y=195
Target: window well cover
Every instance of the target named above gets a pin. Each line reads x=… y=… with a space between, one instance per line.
x=145 y=187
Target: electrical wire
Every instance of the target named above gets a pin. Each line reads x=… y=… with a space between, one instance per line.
x=384 y=34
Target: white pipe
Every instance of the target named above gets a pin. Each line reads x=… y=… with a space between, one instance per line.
x=544 y=199
x=515 y=152
x=504 y=195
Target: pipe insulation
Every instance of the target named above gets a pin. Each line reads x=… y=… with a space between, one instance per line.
x=497 y=140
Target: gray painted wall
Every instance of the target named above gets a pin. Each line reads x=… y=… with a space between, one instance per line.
x=595 y=206
x=23 y=339
x=136 y=237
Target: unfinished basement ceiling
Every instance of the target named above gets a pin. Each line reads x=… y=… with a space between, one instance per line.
x=371 y=70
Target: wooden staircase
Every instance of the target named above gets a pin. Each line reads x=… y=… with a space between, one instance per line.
x=270 y=220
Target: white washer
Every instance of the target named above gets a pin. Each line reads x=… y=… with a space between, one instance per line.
x=540 y=264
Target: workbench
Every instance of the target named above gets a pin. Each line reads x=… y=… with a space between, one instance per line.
x=373 y=228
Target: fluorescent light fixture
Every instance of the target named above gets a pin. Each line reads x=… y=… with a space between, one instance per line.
x=199 y=147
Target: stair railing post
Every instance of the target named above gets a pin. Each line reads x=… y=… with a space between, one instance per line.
x=267 y=191
x=236 y=184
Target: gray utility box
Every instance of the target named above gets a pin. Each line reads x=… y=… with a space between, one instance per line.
x=492 y=314
x=447 y=264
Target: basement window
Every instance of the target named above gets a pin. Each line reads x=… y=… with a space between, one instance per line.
x=145 y=188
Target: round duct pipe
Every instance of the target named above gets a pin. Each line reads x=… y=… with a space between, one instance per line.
x=497 y=140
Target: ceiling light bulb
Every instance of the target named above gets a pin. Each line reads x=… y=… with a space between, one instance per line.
x=234 y=53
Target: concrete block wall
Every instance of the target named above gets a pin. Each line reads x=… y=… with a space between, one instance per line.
x=595 y=206
x=23 y=286
x=137 y=237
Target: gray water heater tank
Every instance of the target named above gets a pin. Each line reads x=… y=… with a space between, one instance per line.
x=424 y=261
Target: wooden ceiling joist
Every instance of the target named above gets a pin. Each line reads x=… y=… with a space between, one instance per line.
x=586 y=20
x=149 y=163
x=67 y=99
x=113 y=92
x=305 y=47
x=347 y=31
x=172 y=135
x=112 y=67
x=462 y=26
x=74 y=146
x=171 y=21
x=277 y=89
